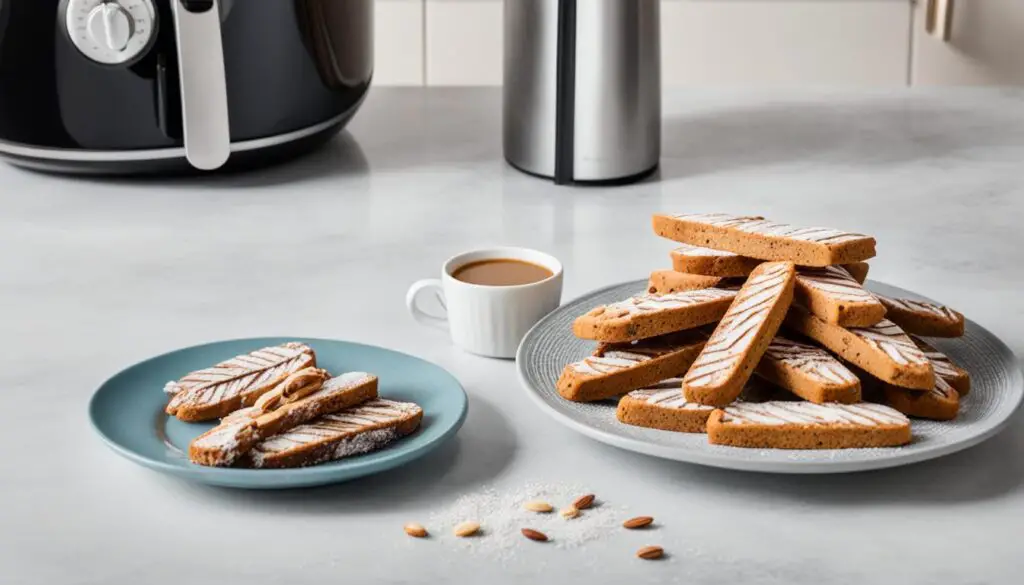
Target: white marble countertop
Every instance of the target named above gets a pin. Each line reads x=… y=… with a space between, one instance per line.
x=96 y=275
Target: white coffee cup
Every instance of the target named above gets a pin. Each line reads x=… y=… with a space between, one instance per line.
x=489 y=320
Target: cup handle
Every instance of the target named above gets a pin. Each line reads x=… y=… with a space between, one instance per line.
x=421 y=316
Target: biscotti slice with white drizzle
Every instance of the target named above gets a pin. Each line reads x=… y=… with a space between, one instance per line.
x=218 y=390
x=833 y=295
x=923 y=318
x=756 y=237
x=805 y=425
x=647 y=315
x=361 y=429
x=809 y=372
x=663 y=406
x=702 y=261
x=617 y=368
x=739 y=341
x=883 y=349
x=302 y=397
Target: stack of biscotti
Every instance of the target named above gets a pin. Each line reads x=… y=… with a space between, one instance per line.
x=751 y=297
x=277 y=409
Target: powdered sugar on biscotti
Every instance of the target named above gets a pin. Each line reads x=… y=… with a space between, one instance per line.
x=691 y=250
x=812 y=361
x=761 y=226
x=738 y=330
x=222 y=445
x=667 y=394
x=887 y=337
x=612 y=361
x=835 y=282
x=350 y=431
x=238 y=431
x=778 y=413
x=247 y=373
x=647 y=303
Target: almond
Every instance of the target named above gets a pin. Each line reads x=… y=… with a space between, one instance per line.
x=415 y=530
x=638 y=522
x=650 y=552
x=570 y=512
x=534 y=535
x=538 y=506
x=467 y=529
x=583 y=502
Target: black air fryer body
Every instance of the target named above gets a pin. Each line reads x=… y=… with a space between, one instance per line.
x=133 y=86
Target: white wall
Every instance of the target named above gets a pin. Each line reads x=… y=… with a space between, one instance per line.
x=859 y=43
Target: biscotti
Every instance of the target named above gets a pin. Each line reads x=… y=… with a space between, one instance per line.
x=216 y=391
x=940 y=403
x=663 y=282
x=663 y=406
x=718 y=375
x=239 y=431
x=858 y=270
x=708 y=262
x=883 y=350
x=277 y=411
x=757 y=237
x=923 y=318
x=699 y=261
x=809 y=372
x=833 y=295
x=944 y=367
x=646 y=315
x=353 y=431
x=616 y=369
x=805 y=425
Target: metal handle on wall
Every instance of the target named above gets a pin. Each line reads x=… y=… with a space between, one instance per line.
x=938 y=19
x=204 y=94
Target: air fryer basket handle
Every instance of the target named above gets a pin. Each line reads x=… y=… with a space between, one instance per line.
x=204 y=97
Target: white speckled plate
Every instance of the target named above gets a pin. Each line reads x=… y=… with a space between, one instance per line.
x=996 y=393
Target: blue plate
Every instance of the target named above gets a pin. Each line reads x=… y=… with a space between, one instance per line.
x=128 y=412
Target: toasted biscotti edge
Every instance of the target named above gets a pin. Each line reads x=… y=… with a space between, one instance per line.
x=640 y=413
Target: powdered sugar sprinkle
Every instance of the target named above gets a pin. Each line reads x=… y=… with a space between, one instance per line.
x=501 y=516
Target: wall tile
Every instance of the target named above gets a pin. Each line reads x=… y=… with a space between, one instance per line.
x=464 y=42
x=398 y=42
x=785 y=42
x=705 y=42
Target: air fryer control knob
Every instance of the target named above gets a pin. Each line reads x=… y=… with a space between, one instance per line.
x=112 y=32
x=110 y=26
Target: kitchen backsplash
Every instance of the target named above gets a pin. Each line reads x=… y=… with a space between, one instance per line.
x=879 y=43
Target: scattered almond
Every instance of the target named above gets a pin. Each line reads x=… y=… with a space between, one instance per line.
x=534 y=535
x=583 y=502
x=467 y=529
x=570 y=512
x=638 y=522
x=415 y=530
x=538 y=506
x=650 y=552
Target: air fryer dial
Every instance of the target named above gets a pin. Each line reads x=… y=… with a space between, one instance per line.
x=111 y=32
